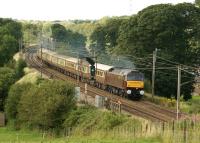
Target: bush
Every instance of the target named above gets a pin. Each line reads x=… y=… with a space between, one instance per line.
x=47 y=104
x=7 y=78
x=20 y=65
x=14 y=95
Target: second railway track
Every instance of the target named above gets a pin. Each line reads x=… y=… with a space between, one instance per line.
x=143 y=109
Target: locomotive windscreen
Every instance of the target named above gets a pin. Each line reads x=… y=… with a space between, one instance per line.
x=135 y=76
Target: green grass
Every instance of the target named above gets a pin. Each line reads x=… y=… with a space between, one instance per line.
x=192 y=106
x=10 y=136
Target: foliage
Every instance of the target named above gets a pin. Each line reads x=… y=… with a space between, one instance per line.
x=192 y=106
x=147 y=86
x=31 y=32
x=174 y=29
x=19 y=68
x=8 y=48
x=197 y=2
x=7 y=78
x=15 y=93
x=105 y=35
x=88 y=117
x=74 y=39
x=45 y=105
x=10 y=33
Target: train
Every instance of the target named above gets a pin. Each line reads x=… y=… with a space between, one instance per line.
x=116 y=80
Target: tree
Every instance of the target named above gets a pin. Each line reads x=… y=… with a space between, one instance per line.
x=58 y=32
x=14 y=96
x=7 y=78
x=10 y=34
x=104 y=36
x=8 y=48
x=31 y=32
x=19 y=68
x=61 y=34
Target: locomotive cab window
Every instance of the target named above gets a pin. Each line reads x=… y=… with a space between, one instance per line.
x=135 y=76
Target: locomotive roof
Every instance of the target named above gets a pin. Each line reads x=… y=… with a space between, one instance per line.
x=121 y=71
x=103 y=67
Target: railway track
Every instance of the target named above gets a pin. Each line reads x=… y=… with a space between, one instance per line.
x=143 y=109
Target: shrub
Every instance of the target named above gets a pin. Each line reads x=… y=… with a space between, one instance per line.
x=20 y=65
x=13 y=99
x=47 y=104
x=7 y=78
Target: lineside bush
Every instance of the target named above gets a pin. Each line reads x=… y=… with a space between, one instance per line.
x=14 y=95
x=44 y=105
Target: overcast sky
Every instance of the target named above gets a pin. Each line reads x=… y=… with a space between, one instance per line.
x=74 y=9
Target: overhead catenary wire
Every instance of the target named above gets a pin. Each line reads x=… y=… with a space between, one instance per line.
x=176 y=63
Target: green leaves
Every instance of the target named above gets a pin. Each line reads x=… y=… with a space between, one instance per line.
x=174 y=29
x=10 y=33
x=7 y=78
x=74 y=39
x=44 y=105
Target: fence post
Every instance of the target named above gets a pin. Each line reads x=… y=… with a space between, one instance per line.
x=185 y=132
x=163 y=127
x=173 y=128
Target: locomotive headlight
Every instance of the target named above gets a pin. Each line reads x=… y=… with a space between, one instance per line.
x=141 y=92
x=128 y=91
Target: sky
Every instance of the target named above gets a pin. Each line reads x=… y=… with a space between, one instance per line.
x=74 y=9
